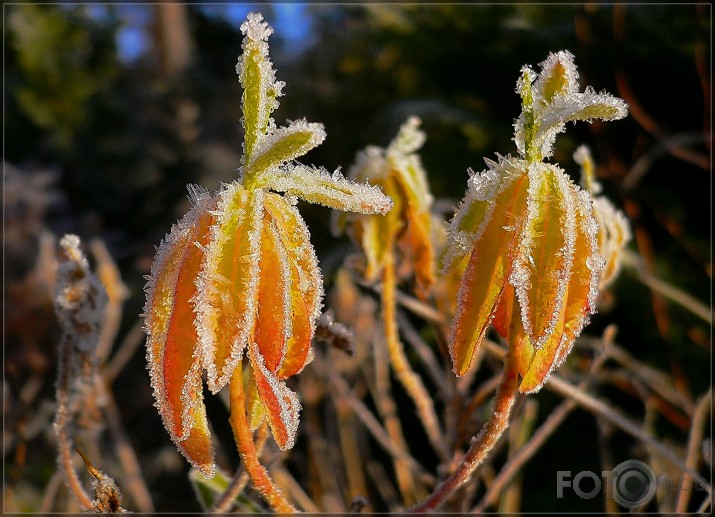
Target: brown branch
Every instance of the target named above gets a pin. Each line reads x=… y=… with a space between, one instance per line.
x=481 y=444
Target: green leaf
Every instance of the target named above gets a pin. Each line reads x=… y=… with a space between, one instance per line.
x=209 y=490
x=260 y=89
x=282 y=146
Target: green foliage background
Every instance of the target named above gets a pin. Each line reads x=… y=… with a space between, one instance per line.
x=124 y=138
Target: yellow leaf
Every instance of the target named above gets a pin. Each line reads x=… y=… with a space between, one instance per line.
x=283 y=145
x=226 y=303
x=546 y=254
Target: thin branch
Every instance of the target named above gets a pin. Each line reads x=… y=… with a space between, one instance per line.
x=373 y=425
x=550 y=425
x=567 y=390
x=117 y=293
x=423 y=350
x=702 y=410
x=124 y=353
x=401 y=366
x=600 y=408
x=134 y=479
x=288 y=482
x=667 y=290
x=518 y=436
x=481 y=444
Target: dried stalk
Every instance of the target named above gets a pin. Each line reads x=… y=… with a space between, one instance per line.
x=550 y=425
x=697 y=429
x=435 y=371
x=388 y=410
x=518 y=436
x=134 y=481
x=401 y=366
x=373 y=426
x=357 y=484
x=79 y=303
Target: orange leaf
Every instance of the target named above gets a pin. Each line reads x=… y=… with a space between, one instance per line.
x=487 y=274
x=174 y=367
x=306 y=291
x=280 y=403
x=274 y=298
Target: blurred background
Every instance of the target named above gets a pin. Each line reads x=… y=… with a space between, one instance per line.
x=111 y=110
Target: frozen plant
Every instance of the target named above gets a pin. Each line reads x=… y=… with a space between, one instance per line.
x=530 y=239
x=398 y=245
x=236 y=281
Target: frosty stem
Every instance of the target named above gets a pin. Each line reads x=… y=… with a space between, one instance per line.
x=62 y=422
x=481 y=444
x=247 y=449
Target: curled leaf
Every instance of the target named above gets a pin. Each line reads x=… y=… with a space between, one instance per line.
x=285 y=144
x=487 y=273
x=174 y=365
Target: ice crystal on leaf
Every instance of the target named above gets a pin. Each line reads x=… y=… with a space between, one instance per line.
x=532 y=240
x=237 y=276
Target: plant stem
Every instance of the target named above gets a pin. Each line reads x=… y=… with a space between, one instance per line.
x=247 y=448
x=62 y=422
x=481 y=444
x=403 y=371
x=697 y=430
x=225 y=501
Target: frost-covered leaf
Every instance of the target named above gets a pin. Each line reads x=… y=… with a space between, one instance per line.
x=331 y=190
x=306 y=283
x=279 y=402
x=468 y=218
x=613 y=236
x=552 y=101
x=260 y=88
x=477 y=205
x=273 y=323
x=543 y=264
x=174 y=365
x=487 y=274
x=411 y=178
x=283 y=145
x=579 y=295
x=570 y=108
x=409 y=138
x=614 y=231
x=226 y=303
x=558 y=77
